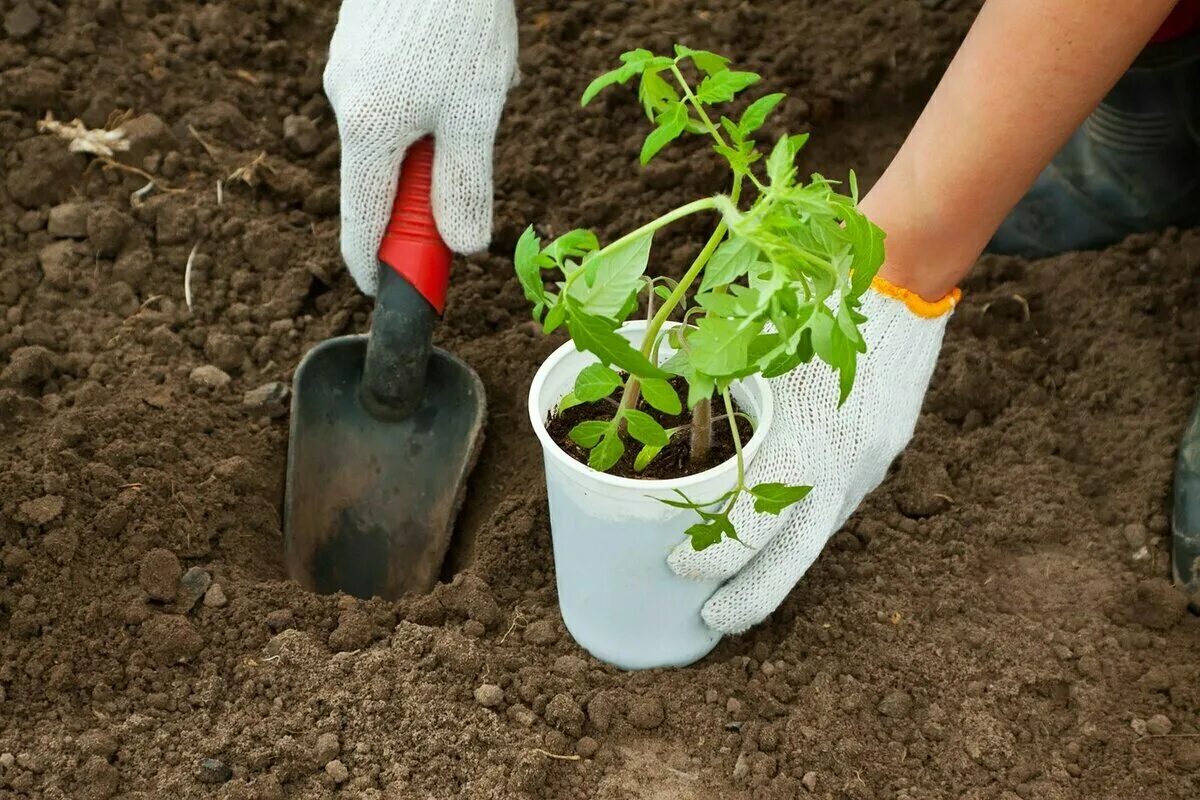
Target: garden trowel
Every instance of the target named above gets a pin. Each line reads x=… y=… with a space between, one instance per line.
x=385 y=427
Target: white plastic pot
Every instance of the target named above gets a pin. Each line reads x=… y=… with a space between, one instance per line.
x=611 y=535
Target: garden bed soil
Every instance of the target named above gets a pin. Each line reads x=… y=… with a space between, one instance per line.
x=994 y=622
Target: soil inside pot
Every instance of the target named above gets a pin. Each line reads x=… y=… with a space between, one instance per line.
x=675 y=459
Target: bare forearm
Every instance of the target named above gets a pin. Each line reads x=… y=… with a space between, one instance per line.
x=1026 y=76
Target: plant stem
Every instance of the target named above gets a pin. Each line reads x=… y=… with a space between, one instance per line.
x=691 y=98
x=689 y=277
x=701 y=442
x=737 y=439
x=693 y=207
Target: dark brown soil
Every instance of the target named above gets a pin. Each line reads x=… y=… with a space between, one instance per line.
x=1017 y=640
x=675 y=460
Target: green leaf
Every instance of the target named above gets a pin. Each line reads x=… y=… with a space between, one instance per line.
x=611 y=276
x=645 y=456
x=661 y=395
x=569 y=400
x=597 y=336
x=596 y=383
x=656 y=94
x=781 y=164
x=724 y=86
x=706 y=534
x=619 y=75
x=556 y=316
x=572 y=244
x=731 y=261
x=754 y=116
x=671 y=123
x=773 y=498
x=608 y=452
x=588 y=434
x=529 y=271
x=706 y=62
x=645 y=428
x=721 y=347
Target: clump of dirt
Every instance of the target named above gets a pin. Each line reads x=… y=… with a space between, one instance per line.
x=992 y=623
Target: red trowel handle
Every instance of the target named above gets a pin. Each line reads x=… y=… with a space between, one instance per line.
x=412 y=245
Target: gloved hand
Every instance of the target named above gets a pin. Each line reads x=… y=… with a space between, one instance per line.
x=401 y=69
x=843 y=453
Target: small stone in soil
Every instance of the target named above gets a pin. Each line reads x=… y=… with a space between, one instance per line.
x=810 y=781
x=192 y=586
x=489 y=695
x=208 y=375
x=159 y=574
x=270 y=399
x=68 y=221
x=301 y=134
x=213 y=771
x=215 y=597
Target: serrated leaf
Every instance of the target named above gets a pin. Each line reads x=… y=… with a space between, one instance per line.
x=572 y=244
x=655 y=93
x=731 y=261
x=661 y=395
x=644 y=428
x=588 y=434
x=529 y=271
x=645 y=456
x=611 y=276
x=756 y=114
x=597 y=336
x=608 y=452
x=596 y=382
x=620 y=75
x=773 y=498
x=724 y=85
x=721 y=347
x=707 y=62
x=706 y=534
x=671 y=123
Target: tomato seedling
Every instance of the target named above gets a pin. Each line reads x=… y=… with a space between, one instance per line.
x=778 y=283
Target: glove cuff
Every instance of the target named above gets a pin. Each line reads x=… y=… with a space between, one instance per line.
x=926 y=309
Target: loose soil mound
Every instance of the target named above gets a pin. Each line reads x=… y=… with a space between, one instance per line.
x=994 y=623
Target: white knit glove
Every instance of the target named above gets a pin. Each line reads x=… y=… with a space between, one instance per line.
x=843 y=453
x=401 y=69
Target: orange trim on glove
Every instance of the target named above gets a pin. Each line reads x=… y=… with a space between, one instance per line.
x=929 y=309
